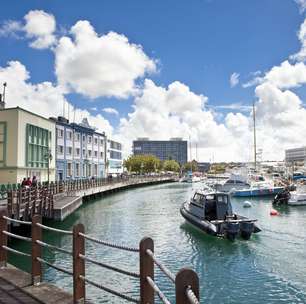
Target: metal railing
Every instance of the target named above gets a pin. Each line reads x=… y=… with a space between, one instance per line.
x=186 y=280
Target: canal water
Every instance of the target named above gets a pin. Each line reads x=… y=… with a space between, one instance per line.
x=269 y=268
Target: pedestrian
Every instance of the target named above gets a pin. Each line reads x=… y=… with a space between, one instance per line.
x=24 y=182
x=28 y=182
x=34 y=181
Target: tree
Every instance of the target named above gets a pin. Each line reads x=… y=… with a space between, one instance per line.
x=191 y=166
x=142 y=163
x=171 y=165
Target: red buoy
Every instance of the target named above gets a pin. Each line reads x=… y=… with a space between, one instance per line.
x=274 y=212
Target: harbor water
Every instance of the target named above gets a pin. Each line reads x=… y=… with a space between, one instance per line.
x=269 y=268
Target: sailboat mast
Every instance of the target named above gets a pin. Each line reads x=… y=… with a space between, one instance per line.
x=254 y=131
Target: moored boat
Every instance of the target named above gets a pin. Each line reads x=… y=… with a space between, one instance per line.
x=258 y=189
x=212 y=213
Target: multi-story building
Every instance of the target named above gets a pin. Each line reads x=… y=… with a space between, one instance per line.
x=27 y=146
x=114 y=157
x=295 y=155
x=175 y=148
x=81 y=151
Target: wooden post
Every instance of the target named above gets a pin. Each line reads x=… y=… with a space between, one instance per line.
x=36 y=250
x=186 y=278
x=3 y=238
x=146 y=270
x=78 y=265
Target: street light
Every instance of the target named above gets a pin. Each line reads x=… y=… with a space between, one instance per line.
x=48 y=157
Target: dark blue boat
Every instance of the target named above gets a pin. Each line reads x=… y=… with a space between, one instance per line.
x=212 y=213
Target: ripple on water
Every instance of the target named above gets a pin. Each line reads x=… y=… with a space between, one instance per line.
x=267 y=269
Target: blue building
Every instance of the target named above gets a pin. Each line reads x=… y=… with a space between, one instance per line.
x=80 y=150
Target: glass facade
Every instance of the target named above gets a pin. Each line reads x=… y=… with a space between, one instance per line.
x=164 y=150
x=38 y=141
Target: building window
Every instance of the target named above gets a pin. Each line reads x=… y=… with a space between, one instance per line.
x=60 y=149
x=2 y=143
x=77 y=169
x=96 y=153
x=38 y=142
x=83 y=169
x=96 y=140
x=60 y=133
x=84 y=153
x=89 y=139
x=115 y=155
x=69 y=150
x=89 y=169
x=95 y=169
x=77 y=151
x=69 y=169
x=101 y=142
x=89 y=153
x=69 y=135
x=77 y=137
x=101 y=154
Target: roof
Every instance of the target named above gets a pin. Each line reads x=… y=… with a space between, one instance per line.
x=24 y=110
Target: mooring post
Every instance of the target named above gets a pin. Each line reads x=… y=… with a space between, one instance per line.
x=3 y=238
x=146 y=270
x=78 y=265
x=36 y=250
x=186 y=278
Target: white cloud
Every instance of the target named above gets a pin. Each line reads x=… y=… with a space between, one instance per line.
x=110 y=111
x=234 y=79
x=10 y=28
x=301 y=55
x=238 y=106
x=43 y=98
x=40 y=26
x=95 y=66
x=302 y=5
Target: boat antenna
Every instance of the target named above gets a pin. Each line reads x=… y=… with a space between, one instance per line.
x=254 y=134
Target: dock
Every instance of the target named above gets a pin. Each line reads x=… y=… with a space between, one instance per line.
x=58 y=200
x=17 y=286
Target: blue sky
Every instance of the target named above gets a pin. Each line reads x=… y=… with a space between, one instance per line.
x=199 y=43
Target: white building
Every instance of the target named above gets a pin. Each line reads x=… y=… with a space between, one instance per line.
x=114 y=157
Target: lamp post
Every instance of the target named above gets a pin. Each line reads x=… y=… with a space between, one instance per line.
x=48 y=157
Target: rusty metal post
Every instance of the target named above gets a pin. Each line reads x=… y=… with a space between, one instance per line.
x=186 y=278
x=78 y=265
x=146 y=270
x=3 y=238
x=10 y=202
x=36 y=250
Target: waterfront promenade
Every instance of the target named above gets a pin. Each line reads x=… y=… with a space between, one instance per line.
x=60 y=199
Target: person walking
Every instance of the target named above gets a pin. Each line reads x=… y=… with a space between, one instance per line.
x=34 y=181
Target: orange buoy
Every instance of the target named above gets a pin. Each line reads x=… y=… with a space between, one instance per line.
x=274 y=212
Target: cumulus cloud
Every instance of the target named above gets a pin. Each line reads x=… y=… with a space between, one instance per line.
x=93 y=65
x=301 y=55
x=44 y=98
x=302 y=5
x=238 y=106
x=234 y=79
x=110 y=111
x=38 y=26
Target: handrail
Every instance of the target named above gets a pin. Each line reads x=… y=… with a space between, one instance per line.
x=15 y=251
x=95 y=240
x=54 y=266
x=158 y=291
x=128 y=273
x=54 y=229
x=114 y=292
x=191 y=296
x=16 y=236
x=163 y=268
x=16 y=221
x=53 y=247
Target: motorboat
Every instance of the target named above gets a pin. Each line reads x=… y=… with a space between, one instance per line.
x=235 y=182
x=298 y=197
x=212 y=213
x=258 y=189
x=186 y=178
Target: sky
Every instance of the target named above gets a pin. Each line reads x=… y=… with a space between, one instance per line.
x=163 y=69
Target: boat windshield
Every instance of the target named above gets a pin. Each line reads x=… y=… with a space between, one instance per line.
x=198 y=198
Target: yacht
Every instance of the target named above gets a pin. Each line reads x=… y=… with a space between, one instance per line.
x=235 y=182
x=212 y=213
x=298 y=197
x=258 y=189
